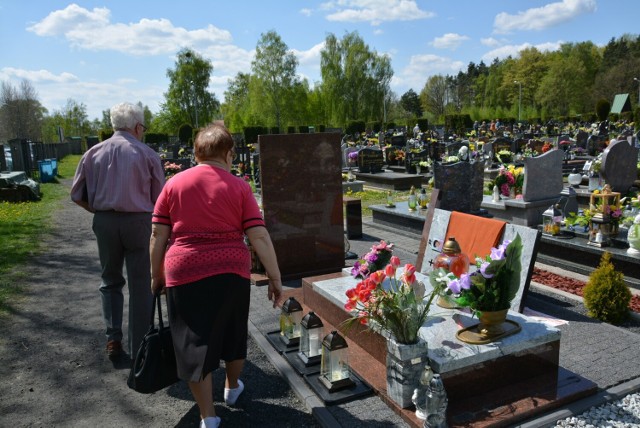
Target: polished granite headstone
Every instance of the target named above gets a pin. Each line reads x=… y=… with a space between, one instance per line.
x=302 y=201
x=461 y=185
x=543 y=176
x=370 y=160
x=619 y=166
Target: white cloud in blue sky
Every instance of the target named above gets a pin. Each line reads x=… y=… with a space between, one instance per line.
x=100 y=53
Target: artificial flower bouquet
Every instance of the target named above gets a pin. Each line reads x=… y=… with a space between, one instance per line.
x=376 y=259
x=397 y=305
x=493 y=285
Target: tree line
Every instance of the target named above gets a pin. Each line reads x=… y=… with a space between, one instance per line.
x=354 y=86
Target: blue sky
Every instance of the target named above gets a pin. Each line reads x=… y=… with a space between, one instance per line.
x=102 y=53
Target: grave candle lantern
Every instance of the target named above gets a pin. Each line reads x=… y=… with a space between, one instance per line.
x=422 y=199
x=290 y=318
x=551 y=221
x=310 y=339
x=413 y=200
x=334 y=367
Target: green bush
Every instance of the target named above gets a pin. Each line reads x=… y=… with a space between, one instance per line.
x=185 y=133
x=303 y=129
x=291 y=129
x=423 y=123
x=606 y=296
x=320 y=128
x=355 y=127
x=105 y=134
x=272 y=130
x=155 y=138
x=251 y=133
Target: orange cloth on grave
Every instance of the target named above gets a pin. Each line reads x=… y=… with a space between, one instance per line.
x=475 y=235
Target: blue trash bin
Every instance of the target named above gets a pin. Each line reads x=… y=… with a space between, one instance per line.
x=46 y=171
x=54 y=166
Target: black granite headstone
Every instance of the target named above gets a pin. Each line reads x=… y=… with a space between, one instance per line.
x=370 y=160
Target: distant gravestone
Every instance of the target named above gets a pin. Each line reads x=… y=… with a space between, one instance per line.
x=619 y=166
x=536 y=145
x=370 y=160
x=519 y=145
x=398 y=140
x=568 y=201
x=460 y=185
x=581 y=139
x=543 y=176
x=414 y=158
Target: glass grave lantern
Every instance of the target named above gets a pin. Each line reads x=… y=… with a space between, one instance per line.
x=422 y=199
x=290 y=318
x=310 y=339
x=413 y=199
x=334 y=367
x=552 y=221
x=455 y=261
x=390 y=202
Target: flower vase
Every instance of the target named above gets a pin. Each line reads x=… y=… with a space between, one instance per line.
x=492 y=323
x=446 y=302
x=404 y=367
x=418 y=169
x=512 y=192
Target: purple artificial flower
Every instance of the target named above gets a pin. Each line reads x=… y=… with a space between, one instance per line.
x=371 y=257
x=455 y=286
x=498 y=253
x=465 y=281
x=483 y=270
x=355 y=270
x=353 y=156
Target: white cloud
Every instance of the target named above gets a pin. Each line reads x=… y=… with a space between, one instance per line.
x=449 y=41
x=374 y=11
x=514 y=50
x=543 y=17
x=420 y=68
x=35 y=76
x=310 y=56
x=489 y=41
x=306 y=12
x=146 y=37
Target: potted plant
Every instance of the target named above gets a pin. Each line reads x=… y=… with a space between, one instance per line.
x=395 y=307
x=489 y=290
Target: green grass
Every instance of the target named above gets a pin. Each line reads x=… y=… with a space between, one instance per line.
x=22 y=226
x=376 y=197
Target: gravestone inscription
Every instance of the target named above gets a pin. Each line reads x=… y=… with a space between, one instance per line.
x=370 y=160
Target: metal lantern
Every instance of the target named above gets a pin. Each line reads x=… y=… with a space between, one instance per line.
x=290 y=318
x=334 y=368
x=310 y=339
x=551 y=221
x=602 y=226
x=575 y=178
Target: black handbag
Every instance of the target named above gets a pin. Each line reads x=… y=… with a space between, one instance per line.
x=154 y=367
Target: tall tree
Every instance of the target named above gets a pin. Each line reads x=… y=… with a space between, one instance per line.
x=355 y=80
x=21 y=113
x=275 y=66
x=188 y=99
x=410 y=102
x=433 y=96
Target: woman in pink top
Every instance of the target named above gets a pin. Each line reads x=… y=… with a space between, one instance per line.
x=198 y=253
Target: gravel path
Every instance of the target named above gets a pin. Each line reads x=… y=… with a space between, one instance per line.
x=54 y=370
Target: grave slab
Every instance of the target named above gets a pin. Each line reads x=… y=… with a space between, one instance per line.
x=390 y=180
x=487 y=385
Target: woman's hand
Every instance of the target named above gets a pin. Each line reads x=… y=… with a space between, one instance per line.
x=275 y=291
x=157 y=286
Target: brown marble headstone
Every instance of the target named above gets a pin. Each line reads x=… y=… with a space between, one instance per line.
x=302 y=201
x=619 y=165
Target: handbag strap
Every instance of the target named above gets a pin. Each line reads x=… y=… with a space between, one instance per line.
x=158 y=303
